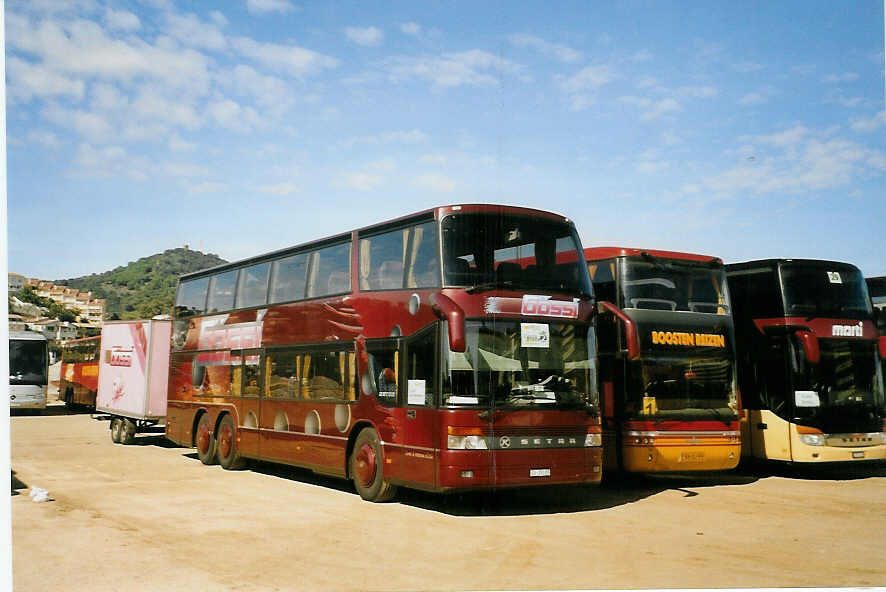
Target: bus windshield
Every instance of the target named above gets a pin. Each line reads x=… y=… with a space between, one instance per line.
x=846 y=384
x=681 y=388
x=821 y=291
x=518 y=365
x=667 y=285
x=484 y=251
x=27 y=362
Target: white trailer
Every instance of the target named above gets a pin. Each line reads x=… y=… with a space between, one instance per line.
x=133 y=375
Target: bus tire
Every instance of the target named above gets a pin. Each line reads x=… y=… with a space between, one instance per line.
x=116 y=429
x=367 y=468
x=226 y=445
x=127 y=431
x=204 y=440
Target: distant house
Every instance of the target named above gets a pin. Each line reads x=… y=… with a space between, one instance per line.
x=16 y=282
x=54 y=330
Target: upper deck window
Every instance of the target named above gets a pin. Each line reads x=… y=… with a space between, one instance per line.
x=221 y=291
x=289 y=278
x=511 y=251
x=191 y=298
x=402 y=258
x=253 y=286
x=822 y=291
x=661 y=284
x=329 y=271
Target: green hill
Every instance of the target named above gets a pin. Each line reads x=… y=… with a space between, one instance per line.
x=143 y=288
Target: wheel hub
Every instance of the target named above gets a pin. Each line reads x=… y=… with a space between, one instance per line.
x=366 y=464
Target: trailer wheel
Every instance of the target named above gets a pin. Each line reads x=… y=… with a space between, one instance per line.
x=116 y=429
x=205 y=441
x=127 y=432
x=367 y=468
x=226 y=444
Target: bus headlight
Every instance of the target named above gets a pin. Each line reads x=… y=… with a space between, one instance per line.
x=812 y=439
x=466 y=443
x=593 y=440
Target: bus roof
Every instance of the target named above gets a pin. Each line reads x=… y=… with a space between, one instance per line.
x=26 y=335
x=597 y=253
x=773 y=262
x=429 y=214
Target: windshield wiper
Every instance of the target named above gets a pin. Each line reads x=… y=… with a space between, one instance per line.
x=485 y=286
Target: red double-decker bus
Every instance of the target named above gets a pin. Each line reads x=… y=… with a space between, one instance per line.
x=809 y=362
x=78 y=376
x=667 y=361
x=447 y=350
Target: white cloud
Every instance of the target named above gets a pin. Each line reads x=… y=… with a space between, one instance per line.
x=178 y=144
x=184 y=169
x=652 y=109
x=270 y=92
x=411 y=28
x=869 y=125
x=110 y=161
x=28 y=80
x=289 y=58
x=279 y=188
x=801 y=162
x=435 y=182
x=752 y=99
x=747 y=67
x=231 y=115
x=474 y=67
x=82 y=49
x=190 y=30
x=368 y=177
x=560 y=52
x=268 y=6
x=122 y=20
x=581 y=87
x=642 y=56
x=414 y=136
x=89 y=125
x=697 y=92
x=218 y=18
x=206 y=187
x=44 y=138
x=843 y=77
x=369 y=36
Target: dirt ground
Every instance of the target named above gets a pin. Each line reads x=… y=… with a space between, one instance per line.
x=150 y=516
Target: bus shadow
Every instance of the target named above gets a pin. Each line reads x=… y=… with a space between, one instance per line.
x=839 y=472
x=158 y=440
x=17 y=484
x=560 y=499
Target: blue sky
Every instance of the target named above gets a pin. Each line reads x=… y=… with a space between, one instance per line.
x=737 y=129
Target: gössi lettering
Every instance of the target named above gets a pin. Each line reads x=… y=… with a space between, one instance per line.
x=688 y=339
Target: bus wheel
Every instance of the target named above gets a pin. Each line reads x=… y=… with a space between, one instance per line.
x=127 y=432
x=367 y=468
x=205 y=441
x=116 y=428
x=226 y=443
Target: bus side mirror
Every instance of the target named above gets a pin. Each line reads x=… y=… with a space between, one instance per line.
x=452 y=313
x=630 y=328
x=810 y=346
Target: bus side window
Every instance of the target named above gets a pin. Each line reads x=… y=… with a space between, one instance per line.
x=420 y=369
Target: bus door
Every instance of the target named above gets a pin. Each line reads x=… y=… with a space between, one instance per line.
x=246 y=381
x=403 y=377
x=769 y=433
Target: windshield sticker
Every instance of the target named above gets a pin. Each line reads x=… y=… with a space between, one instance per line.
x=543 y=306
x=806 y=399
x=535 y=335
x=688 y=339
x=416 y=392
x=834 y=277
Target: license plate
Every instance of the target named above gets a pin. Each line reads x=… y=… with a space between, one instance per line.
x=858 y=455
x=539 y=472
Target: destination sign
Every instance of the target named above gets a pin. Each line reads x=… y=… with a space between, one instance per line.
x=688 y=339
